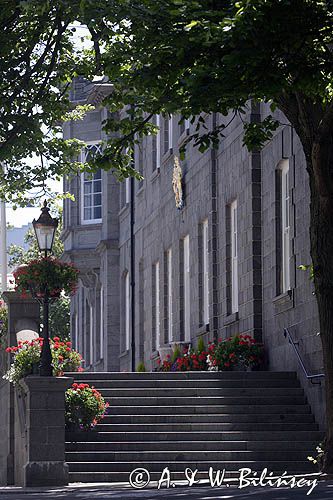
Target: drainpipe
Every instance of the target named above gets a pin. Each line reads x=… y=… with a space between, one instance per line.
x=214 y=242
x=3 y=245
x=132 y=282
x=132 y=266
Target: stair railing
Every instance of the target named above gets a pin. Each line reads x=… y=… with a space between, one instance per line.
x=294 y=344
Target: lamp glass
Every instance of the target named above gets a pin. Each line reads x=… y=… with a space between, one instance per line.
x=45 y=236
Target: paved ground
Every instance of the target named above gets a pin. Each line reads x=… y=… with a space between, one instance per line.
x=323 y=491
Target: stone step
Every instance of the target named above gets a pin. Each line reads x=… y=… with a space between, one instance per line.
x=270 y=446
x=195 y=436
x=186 y=392
x=207 y=401
x=207 y=426
x=180 y=466
x=231 y=477
x=254 y=418
x=194 y=383
x=185 y=455
x=203 y=408
x=256 y=375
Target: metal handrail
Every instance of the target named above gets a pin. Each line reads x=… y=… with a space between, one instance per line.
x=287 y=334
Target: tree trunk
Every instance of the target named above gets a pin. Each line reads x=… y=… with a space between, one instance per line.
x=321 y=237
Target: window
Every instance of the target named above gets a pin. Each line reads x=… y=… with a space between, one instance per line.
x=205 y=273
x=170 y=132
x=91 y=189
x=186 y=263
x=184 y=126
x=127 y=311
x=168 y=296
x=167 y=133
x=285 y=226
x=156 y=146
x=139 y=161
x=156 y=306
x=234 y=257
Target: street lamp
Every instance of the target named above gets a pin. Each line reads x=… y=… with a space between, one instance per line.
x=45 y=228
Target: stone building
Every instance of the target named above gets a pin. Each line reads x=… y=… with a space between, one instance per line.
x=207 y=246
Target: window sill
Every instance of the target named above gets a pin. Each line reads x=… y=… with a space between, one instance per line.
x=124 y=354
x=283 y=302
x=167 y=155
x=231 y=318
x=123 y=209
x=140 y=190
x=183 y=136
x=155 y=174
x=92 y=222
x=203 y=329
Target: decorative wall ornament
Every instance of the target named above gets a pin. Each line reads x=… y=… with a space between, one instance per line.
x=177 y=184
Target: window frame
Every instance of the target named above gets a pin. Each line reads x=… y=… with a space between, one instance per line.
x=205 y=272
x=234 y=257
x=127 y=329
x=187 y=288
x=285 y=226
x=82 y=207
x=170 y=295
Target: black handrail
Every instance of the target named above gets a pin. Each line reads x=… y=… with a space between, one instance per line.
x=287 y=334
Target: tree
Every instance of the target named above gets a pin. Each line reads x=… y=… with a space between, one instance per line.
x=173 y=56
x=59 y=318
x=39 y=58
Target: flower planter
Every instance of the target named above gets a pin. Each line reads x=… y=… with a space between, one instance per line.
x=164 y=352
x=241 y=367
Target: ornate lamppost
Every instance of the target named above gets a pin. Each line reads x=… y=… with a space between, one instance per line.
x=45 y=228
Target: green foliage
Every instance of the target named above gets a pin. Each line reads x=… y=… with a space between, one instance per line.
x=84 y=406
x=195 y=58
x=39 y=59
x=176 y=353
x=46 y=275
x=141 y=367
x=18 y=255
x=201 y=345
x=318 y=460
x=59 y=317
x=3 y=325
x=257 y=134
x=240 y=350
x=188 y=58
x=26 y=358
x=307 y=267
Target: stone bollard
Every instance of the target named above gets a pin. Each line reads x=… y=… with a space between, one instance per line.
x=42 y=444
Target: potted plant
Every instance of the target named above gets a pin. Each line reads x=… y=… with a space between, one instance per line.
x=84 y=407
x=27 y=358
x=240 y=352
x=47 y=274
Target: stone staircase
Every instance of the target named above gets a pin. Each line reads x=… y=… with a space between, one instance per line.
x=197 y=420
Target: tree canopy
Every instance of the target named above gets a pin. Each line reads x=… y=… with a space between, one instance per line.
x=38 y=60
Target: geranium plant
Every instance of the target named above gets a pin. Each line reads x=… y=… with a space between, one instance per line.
x=47 y=273
x=188 y=360
x=85 y=406
x=241 y=350
x=26 y=358
x=3 y=324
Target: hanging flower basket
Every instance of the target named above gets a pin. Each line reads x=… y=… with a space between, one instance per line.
x=46 y=275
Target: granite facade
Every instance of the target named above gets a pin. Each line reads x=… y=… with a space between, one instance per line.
x=145 y=224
